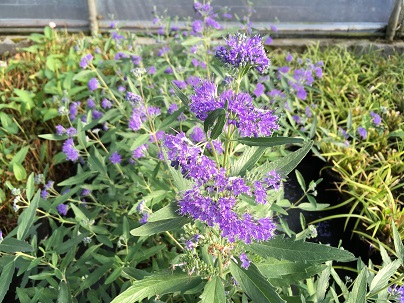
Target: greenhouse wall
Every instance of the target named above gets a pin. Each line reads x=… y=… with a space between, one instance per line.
x=298 y=18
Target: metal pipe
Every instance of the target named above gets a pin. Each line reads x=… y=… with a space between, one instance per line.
x=92 y=16
x=393 y=20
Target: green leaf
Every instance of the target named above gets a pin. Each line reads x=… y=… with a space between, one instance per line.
x=398 y=244
x=132 y=87
x=218 y=114
x=322 y=283
x=8 y=124
x=300 y=179
x=12 y=245
x=53 y=137
x=311 y=207
x=284 y=165
x=6 y=278
x=313 y=127
x=218 y=128
x=254 y=284
x=288 y=249
x=284 y=273
x=30 y=187
x=167 y=212
x=151 y=228
x=383 y=276
x=64 y=295
x=247 y=160
x=143 y=138
x=114 y=275
x=25 y=98
x=268 y=141
x=83 y=75
x=19 y=171
x=26 y=219
x=95 y=276
x=213 y=291
x=20 y=156
x=179 y=181
x=171 y=118
x=358 y=294
x=80 y=216
x=69 y=244
x=191 y=41
x=158 y=284
x=180 y=94
x=79 y=179
x=50 y=114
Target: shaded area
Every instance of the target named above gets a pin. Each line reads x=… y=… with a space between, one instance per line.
x=329 y=231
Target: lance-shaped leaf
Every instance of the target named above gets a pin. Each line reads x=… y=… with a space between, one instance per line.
x=358 y=294
x=12 y=245
x=284 y=165
x=285 y=273
x=218 y=116
x=398 y=244
x=247 y=160
x=383 y=276
x=152 y=228
x=255 y=284
x=27 y=217
x=167 y=212
x=5 y=279
x=299 y=251
x=180 y=94
x=268 y=141
x=213 y=291
x=158 y=284
x=171 y=118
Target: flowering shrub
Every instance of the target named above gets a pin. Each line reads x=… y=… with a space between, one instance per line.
x=173 y=196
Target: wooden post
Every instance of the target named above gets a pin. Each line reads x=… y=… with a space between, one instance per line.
x=92 y=16
x=393 y=20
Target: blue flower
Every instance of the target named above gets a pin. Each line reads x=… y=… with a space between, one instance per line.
x=245 y=263
x=62 y=209
x=69 y=150
x=362 y=132
x=376 y=118
x=85 y=61
x=93 y=84
x=115 y=158
x=242 y=50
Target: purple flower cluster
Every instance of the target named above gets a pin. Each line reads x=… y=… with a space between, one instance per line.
x=214 y=197
x=204 y=99
x=163 y=51
x=115 y=158
x=180 y=84
x=242 y=50
x=304 y=77
x=376 y=118
x=140 y=151
x=198 y=136
x=133 y=98
x=93 y=84
x=73 y=110
x=362 y=132
x=245 y=263
x=249 y=120
x=62 y=209
x=85 y=61
x=70 y=150
x=105 y=103
x=398 y=292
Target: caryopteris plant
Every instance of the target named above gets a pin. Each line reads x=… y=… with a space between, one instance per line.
x=176 y=194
